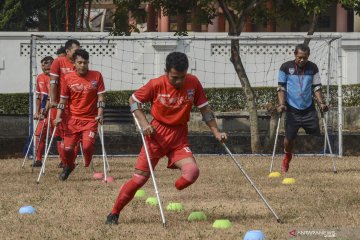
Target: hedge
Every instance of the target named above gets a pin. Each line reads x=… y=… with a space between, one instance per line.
x=220 y=99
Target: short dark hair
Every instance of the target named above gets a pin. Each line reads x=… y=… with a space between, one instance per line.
x=46 y=59
x=302 y=47
x=70 y=42
x=61 y=50
x=81 y=53
x=177 y=60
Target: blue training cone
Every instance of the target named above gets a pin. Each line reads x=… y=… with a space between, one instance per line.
x=27 y=210
x=254 y=235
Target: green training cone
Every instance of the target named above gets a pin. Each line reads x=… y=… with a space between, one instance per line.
x=222 y=223
x=140 y=193
x=152 y=201
x=197 y=216
x=174 y=206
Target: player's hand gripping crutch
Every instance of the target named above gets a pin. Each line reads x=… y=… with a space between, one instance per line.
x=252 y=183
x=276 y=138
x=328 y=140
x=42 y=170
x=32 y=139
x=151 y=170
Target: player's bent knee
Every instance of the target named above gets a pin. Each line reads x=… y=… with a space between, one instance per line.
x=140 y=180
x=189 y=173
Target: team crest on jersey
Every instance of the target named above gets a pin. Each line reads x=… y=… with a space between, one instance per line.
x=190 y=94
x=291 y=71
x=93 y=84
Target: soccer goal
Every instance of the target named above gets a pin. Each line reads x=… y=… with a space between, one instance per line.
x=127 y=63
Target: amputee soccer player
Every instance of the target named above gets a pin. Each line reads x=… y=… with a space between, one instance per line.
x=299 y=80
x=42 y=92
x=59 y=68
x=172 y=97
x=83 y=90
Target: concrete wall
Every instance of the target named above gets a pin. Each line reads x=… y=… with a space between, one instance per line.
x=124 y=138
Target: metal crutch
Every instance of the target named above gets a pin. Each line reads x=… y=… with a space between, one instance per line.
x=103 y=154
x=101 y=136
x=328 y=141
x=42 y=170
x=32 y=139
x=151 y=171
x=252 y=184
x=276 y=138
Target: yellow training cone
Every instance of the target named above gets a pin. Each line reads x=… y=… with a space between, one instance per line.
x=288 y=181
x=274 y=175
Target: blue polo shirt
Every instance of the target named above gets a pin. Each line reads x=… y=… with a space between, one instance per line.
x=299 y=83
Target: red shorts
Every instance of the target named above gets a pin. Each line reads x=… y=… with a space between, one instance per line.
x=76 y=128
x=170 y=141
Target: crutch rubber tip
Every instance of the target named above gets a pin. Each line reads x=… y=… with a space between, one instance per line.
x=280 y=221
x=335 y=171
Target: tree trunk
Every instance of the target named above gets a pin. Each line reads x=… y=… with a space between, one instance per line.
x=195 y=19
x=270 y=136
x=250 y=98
x=88 y=17
x=181 y=22
x=312 y=28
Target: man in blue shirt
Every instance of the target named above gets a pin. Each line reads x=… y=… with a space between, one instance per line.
x=299 y=81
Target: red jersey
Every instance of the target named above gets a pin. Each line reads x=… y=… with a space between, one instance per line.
x=169 y=105
x=43 y=84
x=59 y=68
x=82 y=94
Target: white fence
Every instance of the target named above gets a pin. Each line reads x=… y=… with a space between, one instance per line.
x=128 y=62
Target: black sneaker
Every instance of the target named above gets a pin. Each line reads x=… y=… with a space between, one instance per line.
x=112 y=219
x=61 y=165
x=37 y=163
x=65 y=173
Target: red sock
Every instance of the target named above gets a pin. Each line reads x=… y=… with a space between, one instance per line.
x=60 y=148
x=127 y=192
x=182 y=183
x=41 y=148
x=70 y=157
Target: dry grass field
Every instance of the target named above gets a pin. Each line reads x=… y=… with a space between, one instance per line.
x=320 y=201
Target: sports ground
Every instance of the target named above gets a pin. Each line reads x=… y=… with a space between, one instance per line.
x=319 y=203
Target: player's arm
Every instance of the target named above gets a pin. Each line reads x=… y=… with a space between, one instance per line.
x=54 y=81
x=60 y=109
x=209 y=119
x=37 y=106
x=281 y=92
x=316 y=87
x=136 y=109
x=100 y=107
x=319 y=98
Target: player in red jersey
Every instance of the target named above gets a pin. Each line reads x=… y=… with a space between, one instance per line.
x=172 y=97
x=42 y=92
x=83 y=90
x=59 y=68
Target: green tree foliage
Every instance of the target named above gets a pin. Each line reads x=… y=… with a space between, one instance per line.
x=20 y=15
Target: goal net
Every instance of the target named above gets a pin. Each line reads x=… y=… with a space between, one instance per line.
x=127 y=63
